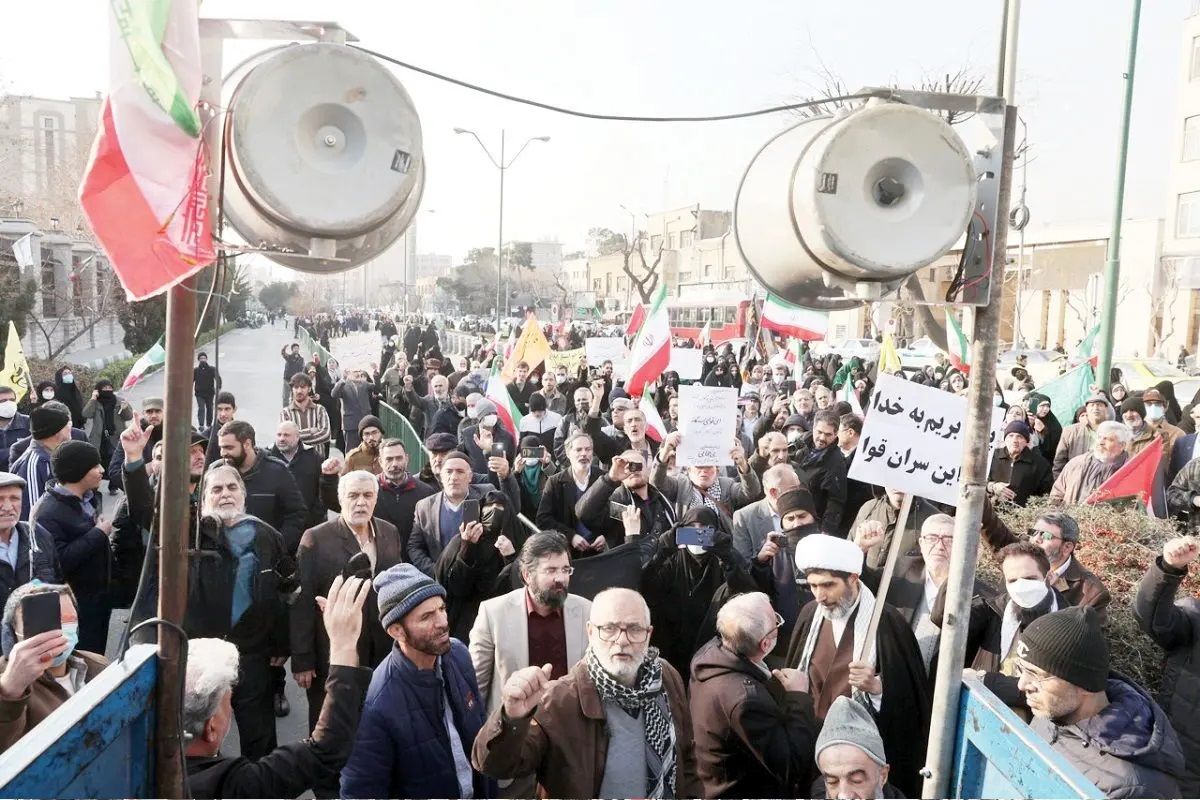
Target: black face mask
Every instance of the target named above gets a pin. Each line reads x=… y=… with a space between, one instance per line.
x=794 y=535
x=492 y=520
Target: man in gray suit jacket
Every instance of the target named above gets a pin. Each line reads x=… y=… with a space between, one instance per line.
x=538 y=624
x=752 y=523
x=702 y=485
x=439 y=518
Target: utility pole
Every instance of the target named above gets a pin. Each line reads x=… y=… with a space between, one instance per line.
x=1112 y=264
x=943 y=728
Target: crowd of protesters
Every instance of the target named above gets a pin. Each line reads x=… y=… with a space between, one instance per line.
x=564 y=610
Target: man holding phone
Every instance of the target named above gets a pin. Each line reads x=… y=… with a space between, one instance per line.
x=563 y=491
x=440 y=517
x=623 y=499
x=42 y=667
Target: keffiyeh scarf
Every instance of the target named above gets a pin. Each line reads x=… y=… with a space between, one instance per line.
x=643 y=696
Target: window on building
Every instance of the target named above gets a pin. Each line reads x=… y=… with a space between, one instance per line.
x=620 y=284
x=596 y=285
x=655 y=242
x=729 y=270
x=1187 y=215
x=1194 y=72
x=708 y=268
x=608 y=284
x=673 y=242
x=685 y=277
x=686 y=238
x=1191 y=138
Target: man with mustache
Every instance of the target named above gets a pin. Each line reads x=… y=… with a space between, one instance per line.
x=617 y=725
x=423 y=707
x=540 y=624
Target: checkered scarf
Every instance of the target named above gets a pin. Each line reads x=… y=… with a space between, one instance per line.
x=712 y=497
x=660 y=732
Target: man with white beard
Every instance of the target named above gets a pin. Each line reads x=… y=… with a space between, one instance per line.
x=621 y=700
x=828 y=645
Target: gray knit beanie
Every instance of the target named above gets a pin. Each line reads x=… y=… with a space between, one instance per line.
x=849 y=722
x=402 y=588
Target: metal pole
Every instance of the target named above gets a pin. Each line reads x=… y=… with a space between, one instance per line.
x=943 y=728
x=1112 y=265
x=500 y=242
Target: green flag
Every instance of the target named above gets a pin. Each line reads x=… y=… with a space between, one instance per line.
x=1068 y=392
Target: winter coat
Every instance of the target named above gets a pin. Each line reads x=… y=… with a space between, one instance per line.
x=658 y=515
x=1077 y=438
x=683 y=495
x=1181 y=454
x=273 y=496
x=556 y=512
x=1174 y=624
x=1129 y=749
x=1028 y=475
x=1183 y=491
x=753 y=738
x=401 y=747
x=84 y=551
x=1071 y=486
x=69 y=395
x=45 y=561
x=469 y=571
x=324 y=551
x=18 y=429
x=425 y=544
x=205 y=380
x=824 y=475
x=565 y=741
x=395 y=504
x=305 y=467
x=43 y=697
x=355 y=397
x=93 y=414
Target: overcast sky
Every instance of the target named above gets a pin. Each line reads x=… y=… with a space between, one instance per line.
x=688 y=58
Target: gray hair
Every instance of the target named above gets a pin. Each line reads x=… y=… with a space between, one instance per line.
x=740 y=624
x=1064 y=522
x=1118 y=429
x=8 y=628
x=539 y=546
x=778 y=475
x=208 y=478
x=356 y=476
x=937 y=522
x=212 y=672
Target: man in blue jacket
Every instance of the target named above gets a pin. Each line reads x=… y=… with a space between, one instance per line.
x=423 y=707
x=14 y=426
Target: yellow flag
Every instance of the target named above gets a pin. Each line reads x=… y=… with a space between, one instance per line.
x=889 y=359
x=532 y=348
x=16 y=369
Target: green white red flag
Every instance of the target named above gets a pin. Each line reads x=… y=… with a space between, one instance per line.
x=807 y=324
x=143 y=192
x=650 y=354
x=655 y=429
x=497 y=392
x=1134 y=481
x=153 y=357
x=1087 y=347
x=957 y=345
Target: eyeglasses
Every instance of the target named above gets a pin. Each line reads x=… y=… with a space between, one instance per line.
x=550 y=572
x=778 y=620
x=635 y=633
x=930 y=539
x=1024 y=674
x=1040 y=534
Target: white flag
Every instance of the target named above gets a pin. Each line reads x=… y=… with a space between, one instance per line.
x=23 y=251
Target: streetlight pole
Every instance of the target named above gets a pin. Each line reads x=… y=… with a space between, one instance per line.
x=502 y=166
x=1112 y=265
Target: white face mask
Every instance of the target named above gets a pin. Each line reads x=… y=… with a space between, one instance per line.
x=47 y=395
x=1027 y=592
x=697 y=550
x=8 y=409
x=1155 y=412
x=794 y=436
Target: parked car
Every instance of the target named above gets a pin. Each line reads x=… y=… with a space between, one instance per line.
x=1042 y=365
x=919 y=353
x=866 y=349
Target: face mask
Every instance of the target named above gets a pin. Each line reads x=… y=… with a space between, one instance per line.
x=793 y=436
x=492 y=520
x=1027 y=592
x=8 y=409
x=70 y=631
x=696 y=550
x=997 y=401
x=47 y=395
x=68 y=379
x=800 y=531
x=1154 y=413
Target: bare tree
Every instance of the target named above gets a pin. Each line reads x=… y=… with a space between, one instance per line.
x=647 y=282
x=1162 y=307
x=74 y=303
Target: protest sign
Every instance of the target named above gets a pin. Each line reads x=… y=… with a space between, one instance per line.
x=688 y=362
x=570 y=359
x=708 y=422
x=607 y=348
x=912 y=439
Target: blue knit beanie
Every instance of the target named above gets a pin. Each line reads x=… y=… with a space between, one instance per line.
x=402 y=588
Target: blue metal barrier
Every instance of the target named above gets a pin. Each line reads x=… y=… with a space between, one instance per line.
x=98 y=744
x=997 y=755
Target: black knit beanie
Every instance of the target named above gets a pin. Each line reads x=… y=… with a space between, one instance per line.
x=798 y=499
x=73 y=460
x=1068 y=644
x=1134 y=404
x=45 y=422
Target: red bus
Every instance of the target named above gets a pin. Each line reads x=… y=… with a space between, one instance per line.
x=688 y=318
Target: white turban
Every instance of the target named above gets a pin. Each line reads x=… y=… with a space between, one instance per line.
x=833 y=553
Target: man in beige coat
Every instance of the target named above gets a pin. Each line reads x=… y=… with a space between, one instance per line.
x=539 y=624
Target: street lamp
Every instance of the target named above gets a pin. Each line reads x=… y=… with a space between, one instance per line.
x=501 y=165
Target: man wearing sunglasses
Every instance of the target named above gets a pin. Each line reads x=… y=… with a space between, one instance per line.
x=755 y=727
x=616 y=726
x=1057 y=533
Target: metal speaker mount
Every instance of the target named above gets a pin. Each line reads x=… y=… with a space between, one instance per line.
x=324 y=167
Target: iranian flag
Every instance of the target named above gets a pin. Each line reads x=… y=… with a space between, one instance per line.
x=1135 y=480
x=655 y=429
x=650 y=354
x=143 y=192
x=1087 y=348
x=807 y=324
x=795 y=358
x=851 y=397
x=957 y=344
x=497 y=392
x=636 y=319
x=151 y=358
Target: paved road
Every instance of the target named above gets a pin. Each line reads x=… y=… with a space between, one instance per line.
x=253 y=371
